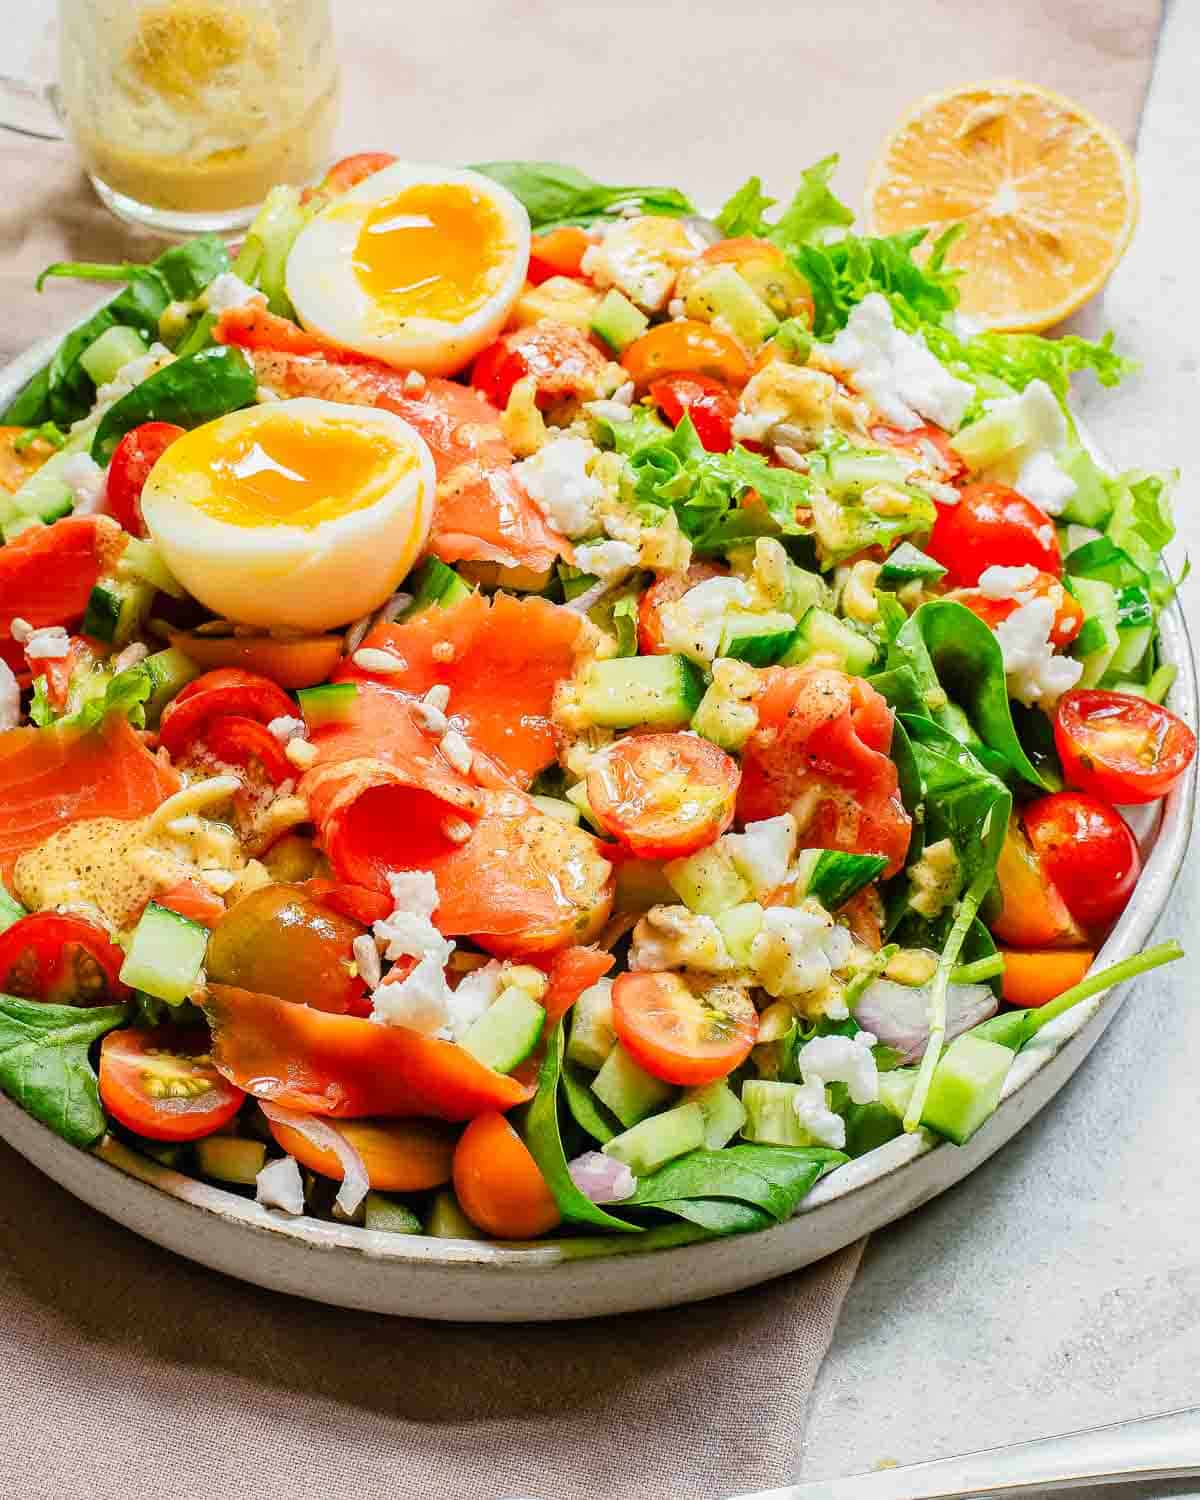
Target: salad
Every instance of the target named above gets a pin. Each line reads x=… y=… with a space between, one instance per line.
x=529 y=710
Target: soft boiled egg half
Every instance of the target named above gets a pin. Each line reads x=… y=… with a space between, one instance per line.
x=417 y=266
x=296 y=514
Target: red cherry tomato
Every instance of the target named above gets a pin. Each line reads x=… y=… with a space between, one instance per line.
x=992 y=524
x=1068 y=612
x=348 y=173
x=679 y=1034
x=135 y=455
x=1119 y=747
x=711 y=406
x=161 y=1083
x=951 y=465
x=561 y=358
x=558 y=253
x=246 y=743
x=669 y=588
x=64 y=960
x=663 y=795
x=1088 y=852
x=215 y=695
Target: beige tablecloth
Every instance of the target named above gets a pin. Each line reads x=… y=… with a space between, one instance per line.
x=128 y=1369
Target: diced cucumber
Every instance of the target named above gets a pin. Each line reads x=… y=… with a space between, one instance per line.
x=739 y=926
x=117 y=610
x=169 y=671
x=389 y=1215
x=143 y=560
x=794 y=340
x=661 y=1138
x=908 y=564
x=165 y=955
x=707 y=881
x=1098 y=648
x=592 y=1034
x=834 y=876
x=624 y=691
x=966 y=1087
x=1008 y=1028
x=724 y=294
x=758 y=639
x=557 y=807
x=723 y=719
x=507 y=1032
x=641 y=884
x=447 y=1221
x=45 y=495
x=823 y=634
x=724 y=1113
x=991 y=437
x=116 y=346
x=11 y=910
x=331 y=703
x=895 y=1090
x=1154 y=690
x=852 y=470
x=10 y=530
x=771 y=1117
x=577 y=798
x=231 y=1158
x=628 y=1090
x=173 y=1154
x=1135 y=624
x=618 y=322
x=435 y=583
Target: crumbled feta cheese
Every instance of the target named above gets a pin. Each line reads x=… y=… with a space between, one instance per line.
x=228 y=291
x=1032 y=468
x=1008 y=583
x=421 y=1001
x=641 y=256
x=813 y=1112
x=693 y=625
x=797 y=949
x=934 y=879
x=609 y=561
x=10 y=697
x=476 y=992
x=84 y=477
x=1043 y=481
x=834 y=1059
x=132 y=373
x=408 y=931
x=557 y=480
x=763 y=852
x=896 y=371
x=50 y=643
x=279 y=1185
x=672 y=937
x=301 y=753
x=287 y=728
x=1036 y=675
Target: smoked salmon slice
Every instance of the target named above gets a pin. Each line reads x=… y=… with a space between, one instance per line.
x=52 y=777
x=47 y=573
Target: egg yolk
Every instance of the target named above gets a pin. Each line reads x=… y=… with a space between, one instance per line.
x=289 y=473
x=433 y=251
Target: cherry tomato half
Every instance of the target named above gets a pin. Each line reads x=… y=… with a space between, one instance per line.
x=1088 y=851
x=64 y=960
x=1068 y=612
x=711 y=406
x=1119 y=747
x=215 y=695
x=992 y=524
x=680 y=1034
x=686 y=347
x=161 y=1083
x=247 y=744
x=1032 y=913
x=561 y=358
x=669 y=588
x=135 y=455
x=663 y=795
x=557 y=253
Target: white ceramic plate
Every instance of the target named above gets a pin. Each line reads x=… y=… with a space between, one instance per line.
x=465 y=1280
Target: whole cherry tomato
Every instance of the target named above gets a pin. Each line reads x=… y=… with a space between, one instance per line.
x=1088 y=851
x=135 y=455
x=992 y=524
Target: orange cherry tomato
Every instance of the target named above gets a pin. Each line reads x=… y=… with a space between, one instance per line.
x=686 y=347
x=128 y=469
x=1033 y=979
x=1068 y=612
x=18 y=463
x=161 y=1083
x=291 y=664
x=1119 y=747
x=663 y=795
x=499 y=1185
x=679 y=1034
x=992 y=524
x=400 y=1156
x=559 y=252
x=1033 y=914
x=1088 y=852
x=62 y=959
x=669 y=588
x=711 y=406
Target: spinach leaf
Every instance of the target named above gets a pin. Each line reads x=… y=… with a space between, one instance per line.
x=586 y=1110
x=1101 y=558
x=954 y=656
x=184 y=270
x=555 y=195
x=188 y=392
x=900 y=687
x=718 y=1215
x=771 y=1178
x=44 y=1063
x=544 y=1139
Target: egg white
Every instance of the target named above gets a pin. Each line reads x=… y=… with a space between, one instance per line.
x=280 y=576
x=330 y=300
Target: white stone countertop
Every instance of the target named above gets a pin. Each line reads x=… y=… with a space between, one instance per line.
x=1059 y=1286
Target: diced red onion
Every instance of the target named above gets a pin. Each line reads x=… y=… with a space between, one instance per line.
x=279 y=1185
x=326 y=1137
x=898 y=1013
x=602 y=1178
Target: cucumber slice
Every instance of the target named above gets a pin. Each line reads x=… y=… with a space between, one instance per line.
x=758 y=639
x=908 y=564
x=771 y=1117
x=966 y=1087
x=820 y=633
x=577 y=798
x=169 y=671
x=447 y=1221
x=724 y=1113
x=331 y=703
x=618 y=322
x=654 y=1142
x=115 y=347
x=624 y=691
x=707 y=882
x=836 y=876
x=592 y=1035
x=895 y=1090
x=724 y=720
x=389 y=1215
x=557 y=807
x=507 y=1032
x=45 y=495
x=641 y=884
x=852 y=471
x=11 y=910
x=435 y=583
x=231 y=1158
x=165 y=955
x=628 y=1090
x=1096 y=648
x=117 y=610
x=143 y=560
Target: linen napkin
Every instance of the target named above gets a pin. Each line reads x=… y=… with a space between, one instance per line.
x=127 y=1363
